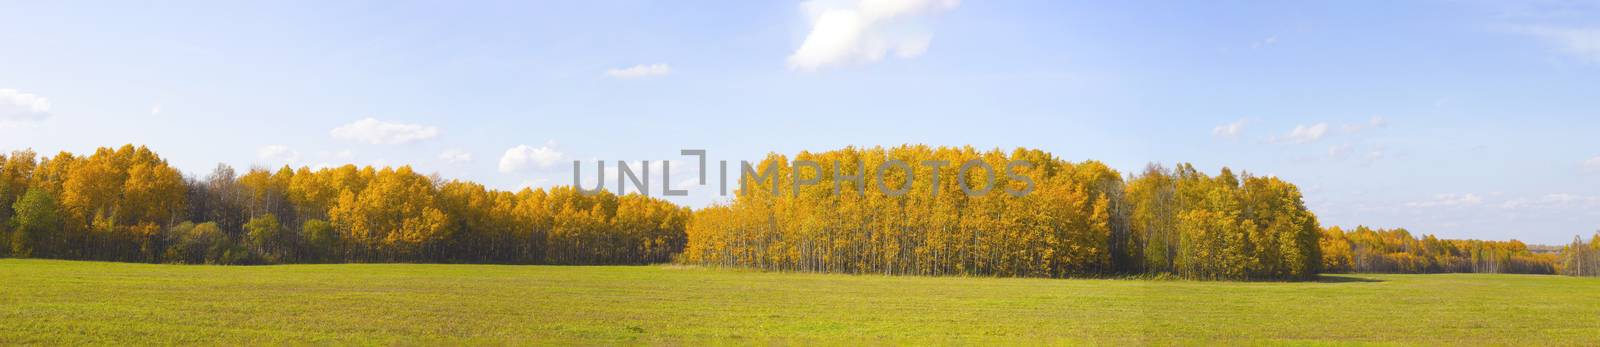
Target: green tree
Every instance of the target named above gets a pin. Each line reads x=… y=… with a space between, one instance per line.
x=267 y=237
x=15 y=172
x=36 y=219
x=320 y=239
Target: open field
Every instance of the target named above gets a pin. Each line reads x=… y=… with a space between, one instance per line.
x=63 y=302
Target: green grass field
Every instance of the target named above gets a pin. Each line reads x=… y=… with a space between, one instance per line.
x=64 y=302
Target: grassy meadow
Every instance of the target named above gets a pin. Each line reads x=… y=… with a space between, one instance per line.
x=72 y=303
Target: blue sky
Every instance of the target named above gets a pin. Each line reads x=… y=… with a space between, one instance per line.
x=1469 y=119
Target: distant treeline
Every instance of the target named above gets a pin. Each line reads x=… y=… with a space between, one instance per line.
x=1580 y=258
x=1079 y=219
x=1397 y=251
x=127 y=204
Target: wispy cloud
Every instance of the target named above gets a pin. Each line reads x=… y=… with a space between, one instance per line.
x=1314 y=132
x=1374 y=123
x=373 y=131
x=1581 y=42
x=455 y=156
x=1445 y=200
x=277 y=155
x=327 y=158
x=1364 y=154
x=1339 y=151
x=640 y=71
x=1230 y=130
x=1304 y=133
x=1558 y=200
x=1376 y=154
x=1270 y=40
x=1592 y=165
x=863 y=31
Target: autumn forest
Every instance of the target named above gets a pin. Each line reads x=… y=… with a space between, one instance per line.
x=1082 y=219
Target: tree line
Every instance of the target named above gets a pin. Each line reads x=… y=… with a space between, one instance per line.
x=1366 y=250
x=1081 y=219
x=1077 y=219
x=127 y=204
x=1580 y=258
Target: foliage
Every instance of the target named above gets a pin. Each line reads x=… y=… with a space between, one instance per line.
x=1369 y=250
x=1580 y=258
x=35 y=220
x=127 y=204
x=267 y=237
x=1082 y=219
x=200 y=244
x=321 y=241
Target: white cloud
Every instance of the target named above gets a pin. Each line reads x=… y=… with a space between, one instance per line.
x=1443 y=200
x=328 y=159
x=1339 y=151
x=1304 y=134
x=1374 y=123
x=689 y=184
x=1592 y=165
x=1581 y=42
x=1549 y=201
x=277 y=155
x=16 y=106
x=641 y=70
x=1270 y=40
x=1364 y=154
x=523 y=157
x=863 y=31
x=455 y=156
x=1315 y=132
x=1375 y=155
x=1230 y=130
x=378 y=132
